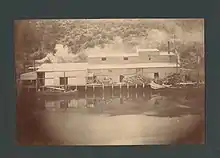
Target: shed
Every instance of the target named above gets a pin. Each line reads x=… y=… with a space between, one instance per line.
x=64 y=73
x=29 y=76
x=63 y=67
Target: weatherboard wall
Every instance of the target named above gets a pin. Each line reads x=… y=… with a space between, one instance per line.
x=74 y=78
x=142 y=58
x=113 y=60
x=114 y=74
x=163 y=72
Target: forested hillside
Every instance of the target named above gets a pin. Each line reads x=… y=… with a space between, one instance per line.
x=34 y=39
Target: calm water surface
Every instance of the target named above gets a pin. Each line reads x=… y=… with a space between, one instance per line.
x=123 y=118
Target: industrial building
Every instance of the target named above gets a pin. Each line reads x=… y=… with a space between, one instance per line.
x=147 y=62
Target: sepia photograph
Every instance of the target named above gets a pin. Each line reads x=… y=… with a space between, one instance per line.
x=109 y=81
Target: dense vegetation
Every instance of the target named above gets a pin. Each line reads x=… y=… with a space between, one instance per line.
x=34 y=39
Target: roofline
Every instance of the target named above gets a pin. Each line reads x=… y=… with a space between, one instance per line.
x=118 y=55
x=90 y=67
x=62 y=70
x=141 y=49
x=141 y=67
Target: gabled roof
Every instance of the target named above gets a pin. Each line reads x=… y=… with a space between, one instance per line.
x=62 y=67
x=29 y=76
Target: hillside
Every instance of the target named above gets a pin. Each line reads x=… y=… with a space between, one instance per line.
x=37 y=38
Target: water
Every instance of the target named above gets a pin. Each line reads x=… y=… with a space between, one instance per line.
x=122 y=117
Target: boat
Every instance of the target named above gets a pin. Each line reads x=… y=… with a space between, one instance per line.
x=54 y=91
x=183 y=85
x=156 y=86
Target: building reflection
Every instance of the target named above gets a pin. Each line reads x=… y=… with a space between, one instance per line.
x=93 y=100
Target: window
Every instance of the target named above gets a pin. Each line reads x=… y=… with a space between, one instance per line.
x=125 y=58
x=41 y=78
x=121 y=77
x=170 y=58
x=63 y=80
x=149 y=57
x=156 y=75
x=109 y=70
x=104 y=59
x=138 y=70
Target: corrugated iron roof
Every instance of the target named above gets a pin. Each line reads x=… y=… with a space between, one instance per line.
x=62 y=67
x=128 y=66
x=85 y=66
x=29 y=76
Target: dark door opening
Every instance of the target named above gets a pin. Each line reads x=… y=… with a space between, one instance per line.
x=121 y=78
x=156 y=75
x=63 y=81
x=41 y=78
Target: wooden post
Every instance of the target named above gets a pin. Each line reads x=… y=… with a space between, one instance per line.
x=93 y=87
x=198 y=74
x=86 y=96
x=64 y=81
x=103 y=94
x=112 y=89
x=143 y=85
x=93 y=94
x=36 y=84
x=128 y=89
x=86 y=101
x=136 y=86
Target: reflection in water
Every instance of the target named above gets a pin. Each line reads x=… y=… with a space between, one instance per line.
x=129 y=103
x=122 y=117
x=135 y=117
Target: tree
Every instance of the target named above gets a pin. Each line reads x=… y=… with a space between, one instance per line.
x=26 y=42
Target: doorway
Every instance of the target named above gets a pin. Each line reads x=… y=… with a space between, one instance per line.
x=156 y=75
x=121 y=78
x=41 y=78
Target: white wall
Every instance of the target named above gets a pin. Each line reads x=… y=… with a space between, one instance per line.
x=113 y=73
x=148 y=72
x=113 y=60
x=143 y=58
x=157 y=58
x=79 y=77
x=163 y=72
x=74 y=78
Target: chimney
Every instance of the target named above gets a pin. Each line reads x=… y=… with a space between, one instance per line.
x=168 y=47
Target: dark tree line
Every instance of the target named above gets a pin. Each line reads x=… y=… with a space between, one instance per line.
x=34 y=39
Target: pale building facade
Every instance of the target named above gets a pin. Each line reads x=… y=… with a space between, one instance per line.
x=147 y=62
